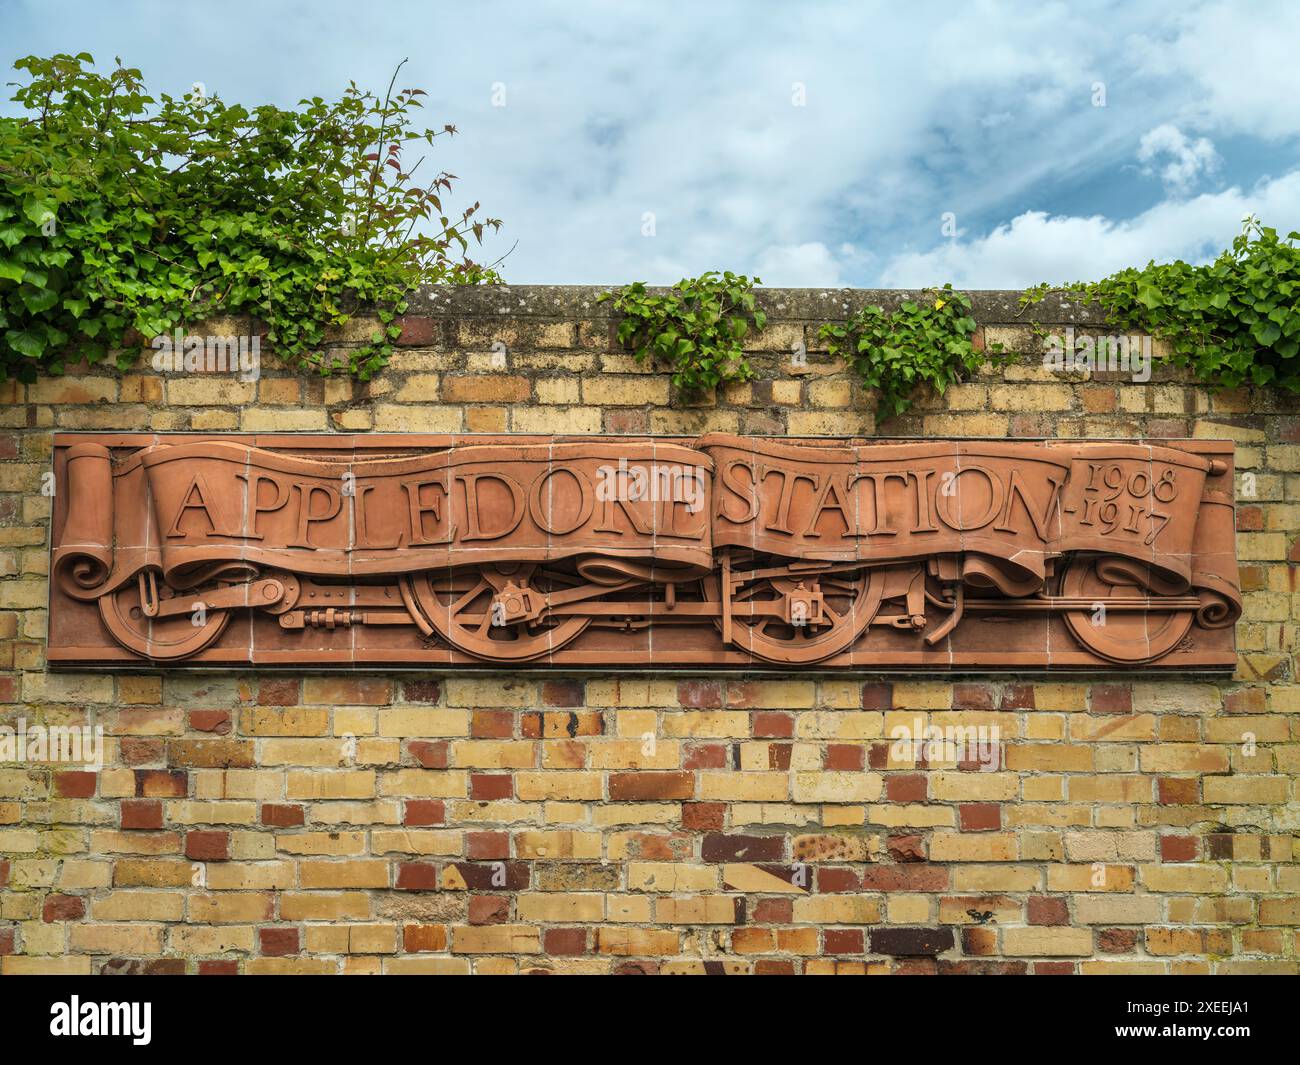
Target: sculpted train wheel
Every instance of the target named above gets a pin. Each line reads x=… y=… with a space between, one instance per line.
x=159 y=638
x=1125 y=638
x=759 y=624
x=485 y=611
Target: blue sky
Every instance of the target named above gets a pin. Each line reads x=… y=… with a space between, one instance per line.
x=817 y=144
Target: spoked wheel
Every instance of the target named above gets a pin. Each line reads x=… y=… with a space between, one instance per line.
x=1124 y=637
x=492 y=611
x=164 y=638
x=762 y=625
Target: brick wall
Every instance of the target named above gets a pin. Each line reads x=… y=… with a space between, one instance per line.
x=267 y=823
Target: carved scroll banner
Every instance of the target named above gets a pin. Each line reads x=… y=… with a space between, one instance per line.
x=618 y=552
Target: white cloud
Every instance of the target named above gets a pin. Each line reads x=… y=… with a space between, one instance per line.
x=615 y=112
x=810 y=265
x=1237 y=64
x=1035 y=247
x=1184 y=159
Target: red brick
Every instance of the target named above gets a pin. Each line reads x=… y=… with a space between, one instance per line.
x=906 y=787
x=1017 y=697
x=845 y=756
x=563 y=693
x=421 y=691
x=217 y=721
x=772 y=725
x=972 y=697
x=773 y=911
x=417 y=938
x=699 y=694
x=218 y=968
x=138 y=751
x=980 y=816
x=146 y=814
x=75 y=785
x=418 y=331
x=1053 y=968
x=485 y=787
x=651 y=786
x=488 y=909
x=1117 y=940
x=487 y=846
x=907 y=848
x=1111 y=699
x=843 y=941
x=877 y=697
x=705 y=756
x=279 y=692
x=424 y=812
x=431 y=754
x=564 y=942
x=704 y=816
x=207 y=846
x=278 y=942
x=1047 y=910
x=417 y=876
x=63 y=908
x=492 y=724
x=1178 y=848
x=283 y=815
x=911 y=941
x=1250 y=519
x=834 y=880
x=717 y=847
x=914 y=877
x=486 y=876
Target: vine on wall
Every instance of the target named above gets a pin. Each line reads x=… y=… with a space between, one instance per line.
x=123 y=212
x=928 y=341
x=1235 y=321
x=698 y=327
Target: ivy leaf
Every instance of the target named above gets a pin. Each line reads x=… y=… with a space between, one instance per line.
x=26 y=342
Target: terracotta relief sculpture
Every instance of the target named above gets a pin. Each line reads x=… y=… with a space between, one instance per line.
x=599 y=552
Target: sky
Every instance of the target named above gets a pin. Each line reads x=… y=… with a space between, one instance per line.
x=819 y=144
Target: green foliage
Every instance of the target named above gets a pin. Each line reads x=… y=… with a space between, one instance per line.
x=122 y=212
x=1234 y=321
x=924 y=341
x=698 y=327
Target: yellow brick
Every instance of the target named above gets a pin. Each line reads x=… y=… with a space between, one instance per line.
x=559 y=907
x=1046 y=942
x=496 y=939
x=973 y=847
x=835 y=787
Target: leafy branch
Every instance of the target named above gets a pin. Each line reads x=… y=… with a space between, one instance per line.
x=125 y=214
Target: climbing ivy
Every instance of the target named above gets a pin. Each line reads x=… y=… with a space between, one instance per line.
x=122 y=212
x=925 y=341
x=1234 y=321
x=698 y=327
